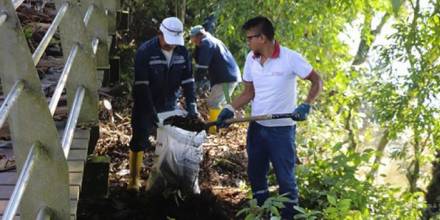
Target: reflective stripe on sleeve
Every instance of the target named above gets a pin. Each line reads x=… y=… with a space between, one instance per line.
x=188 y=80
x=142 y=83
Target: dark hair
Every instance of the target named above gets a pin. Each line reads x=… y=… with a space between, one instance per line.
x=262 y=24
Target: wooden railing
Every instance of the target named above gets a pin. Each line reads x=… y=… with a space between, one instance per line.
x=42 y=189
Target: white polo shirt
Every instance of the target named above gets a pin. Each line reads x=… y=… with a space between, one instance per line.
x=275 y=83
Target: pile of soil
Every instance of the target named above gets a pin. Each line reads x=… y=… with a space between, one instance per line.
x=186 y=123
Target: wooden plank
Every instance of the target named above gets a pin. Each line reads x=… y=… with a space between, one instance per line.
x=74 y=192
x=77 y=155
x=3 y=204
x=75 y=166
x=82 y=133
x=6 y=192
x=8 y=178
x=79 y=144
x=8 y=152
x=75 y=179
x=16 y=217
x=73 y=207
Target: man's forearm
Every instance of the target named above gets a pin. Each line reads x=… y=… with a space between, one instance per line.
x=316 y=87
x=241 y=101
x=314 y=91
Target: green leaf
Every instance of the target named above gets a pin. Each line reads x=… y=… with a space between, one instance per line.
x=331 y=199
x=250 y=217
x=300 y=209
x=242 y=211
x=274 y=211
x=345 y=204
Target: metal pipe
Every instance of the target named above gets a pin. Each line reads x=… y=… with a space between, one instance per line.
x=95 y=43
x=63 y=79
x=49 y=34
x=3 y=17
x=69 y=130
x=89 y=13
x=10 y=100
x=22 y=183
x=44 y=213
x=17 y=3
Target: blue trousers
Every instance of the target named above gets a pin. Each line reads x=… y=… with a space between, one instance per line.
x=277 y=146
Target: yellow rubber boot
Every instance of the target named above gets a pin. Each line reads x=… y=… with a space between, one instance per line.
x=135 y=165
x=213 y=114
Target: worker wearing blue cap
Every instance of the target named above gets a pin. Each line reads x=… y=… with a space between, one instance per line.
x=214 y=63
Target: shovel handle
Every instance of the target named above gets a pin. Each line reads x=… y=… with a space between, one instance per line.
x=253 y=118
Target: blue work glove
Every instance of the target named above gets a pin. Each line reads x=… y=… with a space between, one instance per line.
x=301 y=112
x=192 y=110
x=226 y=113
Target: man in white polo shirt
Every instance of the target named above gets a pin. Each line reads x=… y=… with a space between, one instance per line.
x=269 y=78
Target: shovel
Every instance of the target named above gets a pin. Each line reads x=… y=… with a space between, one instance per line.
x=197 y=125
x=254 y=118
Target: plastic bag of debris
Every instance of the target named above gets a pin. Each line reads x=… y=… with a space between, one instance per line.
x=179 y=154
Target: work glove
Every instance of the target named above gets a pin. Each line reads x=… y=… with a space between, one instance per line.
x=301 y=112
x=201 y=81
x=226 y=113
x=191 y=108
x=202 y=87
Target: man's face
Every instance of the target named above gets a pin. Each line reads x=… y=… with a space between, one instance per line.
x=196 y=40
x=253 y=39
x=163 y=43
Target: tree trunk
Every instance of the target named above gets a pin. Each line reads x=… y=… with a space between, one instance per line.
x=181 y=10
x=379 y=153
x=351 y=134
x=365 y=44
x=414 y=168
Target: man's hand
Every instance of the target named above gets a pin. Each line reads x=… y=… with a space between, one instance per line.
x=226 y=113
x=301 y=112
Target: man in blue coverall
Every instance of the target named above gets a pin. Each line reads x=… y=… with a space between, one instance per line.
x=269 y=79
x=216 y=64
x=162 y=67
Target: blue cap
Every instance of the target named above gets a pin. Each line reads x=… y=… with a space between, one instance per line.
x=196 y=30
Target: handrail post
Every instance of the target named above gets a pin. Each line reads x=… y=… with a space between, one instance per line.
x=45 y=213
x=31 y=107
x=83 y=72
x=97 y=27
